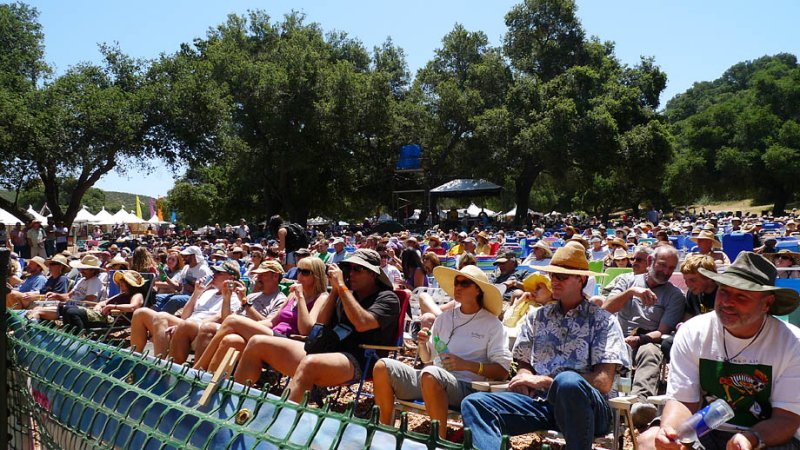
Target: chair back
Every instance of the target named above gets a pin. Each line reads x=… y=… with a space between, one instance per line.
x=735 y=243
x=791 y=283
x=404 y=296
x=113 y=287
x=149 y=279
x=614 y=272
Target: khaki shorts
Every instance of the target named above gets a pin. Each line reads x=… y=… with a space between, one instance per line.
x=407 y=382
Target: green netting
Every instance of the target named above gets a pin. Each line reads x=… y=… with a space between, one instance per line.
x=67 y=391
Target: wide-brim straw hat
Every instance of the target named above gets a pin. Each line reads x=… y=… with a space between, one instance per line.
x=707 y=234
x=571 y=260
x=58 y=259
x=492 y=298
x=752 y=272
x=579 y=239
x=132 y=278
x=795 y=256
x=543 y=245
x=39 y=261
x=532 y=281
x=87 y=262
x=117 y=260
x=618 y=241
x=620 y=254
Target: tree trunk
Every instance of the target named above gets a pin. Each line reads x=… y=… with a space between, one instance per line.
x=522 y=192
x=780 y=205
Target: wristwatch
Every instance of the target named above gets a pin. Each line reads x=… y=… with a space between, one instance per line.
x=759 y=440
x=248 y=303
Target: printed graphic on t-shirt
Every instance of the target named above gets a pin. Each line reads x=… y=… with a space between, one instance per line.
x=746 y=387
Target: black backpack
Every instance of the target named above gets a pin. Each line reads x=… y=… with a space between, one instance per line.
x=296 y=237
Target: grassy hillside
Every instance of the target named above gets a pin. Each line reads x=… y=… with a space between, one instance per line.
x=112 y=201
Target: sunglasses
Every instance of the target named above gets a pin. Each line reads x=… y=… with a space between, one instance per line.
x=306 y=272
x=785 y=258
x=639 y=259
x=464 y=283
x=560 y=276
x=357 y=268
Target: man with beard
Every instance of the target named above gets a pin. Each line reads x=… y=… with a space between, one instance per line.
x=647 y=306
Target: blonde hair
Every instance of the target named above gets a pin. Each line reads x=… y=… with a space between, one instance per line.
x=317 y=267
x=694 y=262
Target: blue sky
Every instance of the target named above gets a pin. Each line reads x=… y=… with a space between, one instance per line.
x=691 y=40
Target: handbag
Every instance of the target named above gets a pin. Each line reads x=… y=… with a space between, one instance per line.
x=326 y=339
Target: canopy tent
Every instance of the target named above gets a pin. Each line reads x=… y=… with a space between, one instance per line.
x=6 y=218
x=104 y=218
x=385 y=217
x=36 y=215
x=123 y=216
x=84 y=216
x=465 y=187
x=474 y=211
x=513 y=212
x=317 y=221
x=154 y=220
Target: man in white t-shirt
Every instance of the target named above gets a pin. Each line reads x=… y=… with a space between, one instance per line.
x=195 y=269
x=204 y=305
x=739 y=353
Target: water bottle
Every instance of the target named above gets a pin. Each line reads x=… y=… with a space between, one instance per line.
x=162 y=272
x=705 y=420
x=441 y=348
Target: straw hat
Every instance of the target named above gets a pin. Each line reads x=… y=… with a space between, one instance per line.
x=118 y=260
x=39 y=261
x=543 y=245
x=88 y=262
x=132 y=278
x=707 y=234
x=269 y=266
x=532 y=282
x=492 y=299
x=579 y=239
x=618 y=241
x=620 y=254
x=58 y=259
x=752 y=272
x=795 y=256
x=483 y=235
x=570 y=260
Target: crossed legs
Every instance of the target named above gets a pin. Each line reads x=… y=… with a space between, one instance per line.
x=235 y=332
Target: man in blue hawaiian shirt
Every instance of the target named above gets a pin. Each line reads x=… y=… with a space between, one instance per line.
x=567 y=353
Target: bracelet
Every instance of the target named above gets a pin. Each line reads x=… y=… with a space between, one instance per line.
x=480 y=368
x=343 y=289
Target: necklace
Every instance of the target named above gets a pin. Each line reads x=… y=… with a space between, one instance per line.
x=457 y=327
x=725 y=346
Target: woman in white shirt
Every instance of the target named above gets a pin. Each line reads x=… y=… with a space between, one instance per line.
x=468 y=344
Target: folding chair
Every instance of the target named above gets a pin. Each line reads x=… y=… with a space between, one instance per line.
x=614 y=272
x=371 y=351
x=121 y=320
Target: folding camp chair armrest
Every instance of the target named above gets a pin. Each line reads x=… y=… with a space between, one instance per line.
x=298 y=337
x=622 y=402
x=389 y=348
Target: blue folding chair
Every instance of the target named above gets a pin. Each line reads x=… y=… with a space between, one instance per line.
x=791 y=283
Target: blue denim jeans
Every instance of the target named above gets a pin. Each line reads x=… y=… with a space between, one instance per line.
x=572 y=407
x=170 y=302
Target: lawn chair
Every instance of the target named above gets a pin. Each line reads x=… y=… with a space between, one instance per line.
x=121 y=320
x=371 y=351
x=614 y=272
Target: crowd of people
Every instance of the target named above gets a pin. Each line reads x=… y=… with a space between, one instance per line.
x=541 y=318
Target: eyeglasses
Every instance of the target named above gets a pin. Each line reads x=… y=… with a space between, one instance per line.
x=306 y=272
x=785 y=257
x=464 y=283
x=560 y=276
x=639 y=258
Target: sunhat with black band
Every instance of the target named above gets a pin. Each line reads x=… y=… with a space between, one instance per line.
x=787 y=253
x=707 y=234
x=88 y=262
x=571 y=260
x=58 y=259
x=370 y=259
x=752 y=272
x=543 y=245
x=492 y=298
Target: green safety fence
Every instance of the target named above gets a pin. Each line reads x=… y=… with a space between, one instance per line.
x=67 y=391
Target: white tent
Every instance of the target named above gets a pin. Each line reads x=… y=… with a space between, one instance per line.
x=36 y=215
x=133 y=218
x=104 y=218
x=84 y=216
x=316 y=221
x=123 y=216
x=154 y=220
x=513 y=212
x=384 y=218
x=473 y=210
x=6 y=218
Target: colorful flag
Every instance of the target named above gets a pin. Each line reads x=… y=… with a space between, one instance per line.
x=138 y=208
x=160 y=214
x=174 y=216
x=152 y=207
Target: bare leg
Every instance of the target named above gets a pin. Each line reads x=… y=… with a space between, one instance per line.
x=242 y=326
x=322 y=369
x=141 y=325
x=230 y=341
x=435 y=397
x=384 y=394
x=282 y=354
x=181 y=343
x=158 y=332
x=204 y=336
